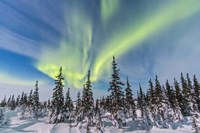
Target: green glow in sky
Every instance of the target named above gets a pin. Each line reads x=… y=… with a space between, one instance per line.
x=108 y=8
x=131 y=36
x=72 y=54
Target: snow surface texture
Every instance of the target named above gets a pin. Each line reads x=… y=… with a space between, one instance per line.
x=16 y=125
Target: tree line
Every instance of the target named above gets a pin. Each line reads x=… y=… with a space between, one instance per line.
x=158 y=106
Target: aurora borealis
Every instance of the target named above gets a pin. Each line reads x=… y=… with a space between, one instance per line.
x=147 y=38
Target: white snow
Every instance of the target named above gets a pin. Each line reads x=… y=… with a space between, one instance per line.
x=16 y=125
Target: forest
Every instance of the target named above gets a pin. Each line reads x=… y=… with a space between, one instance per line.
x=159 y=105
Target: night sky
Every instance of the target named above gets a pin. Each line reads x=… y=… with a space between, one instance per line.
x=146 y=37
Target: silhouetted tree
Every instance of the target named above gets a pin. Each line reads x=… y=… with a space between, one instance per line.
x=116 y=89
x=129 y=102
x=36 y=102
x=57 y=99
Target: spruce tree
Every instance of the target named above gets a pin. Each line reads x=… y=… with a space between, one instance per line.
x=12 y=103
x=187 y=105
x=78 y=105
x=88 y=101
x=21 y=102
x=196 y=87
x=192 y=95
x=179 y=95
x=129 y=102
x=57 y=98
x=116 y=89
x=25 y=99
x=3 y=102
x=158 y=92
x=36 y=100
x=68 y=106
x=68 y=102
x=161 y=103
x=170 y=95
x=151 y=96
x=141 y=101
x=30 y=100
x=18 y=101
x=97 y=108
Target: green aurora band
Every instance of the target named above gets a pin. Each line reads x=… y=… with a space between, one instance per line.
x=131 y=36
x=75 y=50
x=108 y=9
x=72 y=56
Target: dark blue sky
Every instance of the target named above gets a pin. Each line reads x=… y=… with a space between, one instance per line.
x=147 y=38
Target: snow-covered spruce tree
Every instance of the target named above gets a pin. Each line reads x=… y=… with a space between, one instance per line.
x=196 y=87
x=23 y=105
x=194 y=105
x=129 y=102
x=98 y=116
x=21 y=101
x=187 y=98
x=36 y=102
x=146 y=122
x=178 y=94
x=116 y=89
x=68 y=106
x=57 y=99
x=17 y=101
x=30 y=100
x=97 y=107
x=8 y=102
x=107 y=104
x=161 y=104
x=116 y=94
x=12 y=103
x=151 y=97
x=87 y=100
x=3 y=102
x=78 y=108
x=29 y=106
x=102 y=103
x=78 y=104
x=170 y=95
x=141 y=101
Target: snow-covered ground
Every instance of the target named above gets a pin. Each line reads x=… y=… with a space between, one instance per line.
x=15 y=125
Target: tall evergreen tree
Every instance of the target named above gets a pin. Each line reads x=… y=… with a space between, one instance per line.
x=21 y=102
x=151 y=96
x=196 y=87
x=192 y=95
x=78 y=104
x=170 y=95
x=58 y=98
x=179 y=95
x=158 y=92
x=129 y=102
x=3 y=102
x=141 y=101
x=88 y=101
x=68 y=101
x=12 y=103
x=129 y=97
x=18 y=101
x=116 y=89
x=30 y=99
x=187 y=105
x=36 y=100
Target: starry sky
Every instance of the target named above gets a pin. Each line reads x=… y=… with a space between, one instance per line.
x=147 y=38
